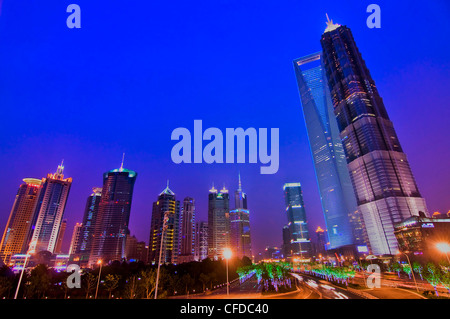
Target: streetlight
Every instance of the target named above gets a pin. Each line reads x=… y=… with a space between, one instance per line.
x=412 y=270
x=166 y=219
x=444 y=248
x=227 y=255
x=31 y=248
x=99 y=262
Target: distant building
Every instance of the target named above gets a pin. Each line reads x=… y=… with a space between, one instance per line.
x=82 y=252
x=59 y=241
x=240 y=237
x=321 y=241
x=111 y=226
x=76 y=236
x=187 y=230
x=201 y=240
x=131 y=247
x=50 y=211
x=297 y=221
x=418 y=235
x=286 y=248
x=218 y=222
x=15 y=236
x=166 y=205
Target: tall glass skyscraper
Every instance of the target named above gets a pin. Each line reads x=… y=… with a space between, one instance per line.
x=166 y=203
x=49 y=211
x=83 y=250
x=218 y=222
x=111 y=226
x=14 y=240
x=385 y=188
x=240 y=239
x=187 y=230
x=335 y=188
x=297 y=221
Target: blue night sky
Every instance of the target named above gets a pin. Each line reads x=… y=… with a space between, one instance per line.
x=136 y=70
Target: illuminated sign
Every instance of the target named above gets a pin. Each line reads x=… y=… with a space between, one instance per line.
x=428 y=225
x=362 y=249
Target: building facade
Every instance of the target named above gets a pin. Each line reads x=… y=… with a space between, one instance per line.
x=336 y=191
x=297 y=221
x=187 y=230
x=240 y=237
x=15 y=236
x=218 y=222
x=50 y=211
x=168 y=245
x=384 y=186
x=201 y=240
x=111 y=226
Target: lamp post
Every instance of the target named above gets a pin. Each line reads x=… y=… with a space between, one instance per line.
x=21 y=275
x=444 y=248
x=412 y=270
x=99 y=262
x=227 y=255
x=166 y=219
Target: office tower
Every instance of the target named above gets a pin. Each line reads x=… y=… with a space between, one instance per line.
x=336 y=191
x=321 y=244
x=187 y=230
x=166 y=205
x=111 y=225
x=49 y=211
x=240 y=239
x=218 y=222
x=201 y=241
x=141 y=251
x=131 y=247
x=286 y=247
x=14 y=240
x=297 y=221
x=76 y=236
x=83 y=250
x=385 y=188
x=59 y=240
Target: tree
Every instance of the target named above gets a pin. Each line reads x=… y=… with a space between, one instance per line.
x=187 y=281
x=396 y=267
x=111 y=283
x=433 y=275
x=148 y=282
x=204 y=280
x=131 y=287
x=407 y=269
x=89 y=283
x=38 y=282
x=418 y=268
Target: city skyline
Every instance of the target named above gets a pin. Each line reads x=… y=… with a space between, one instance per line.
x=261 y=91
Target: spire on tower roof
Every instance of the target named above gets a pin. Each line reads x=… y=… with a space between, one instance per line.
x=330 y=25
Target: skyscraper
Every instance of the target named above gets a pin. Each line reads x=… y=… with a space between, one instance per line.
x=187 y=230
x=218 y=222
x=240 y=239
x=59 y=240
x=111 y=226
x=297 y=221
x=14 y=240
x=49 y=211
x=385 y=188
x=335 y=187
x=165 y=205
x=201 y=240
x=76 y=236
x=83 y=250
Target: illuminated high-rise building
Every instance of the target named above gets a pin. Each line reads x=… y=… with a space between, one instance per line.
x=297 y=221
x=59 y=241
x=201 y=240
x=385 y=189
x=187 y=230
x=83 y=250
x=336 y=191
x=165 y=207
x=111 y=225
x=50 y=211
x=240 y=239
x=15 y=236
x=76 y=236
x=218 y=222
